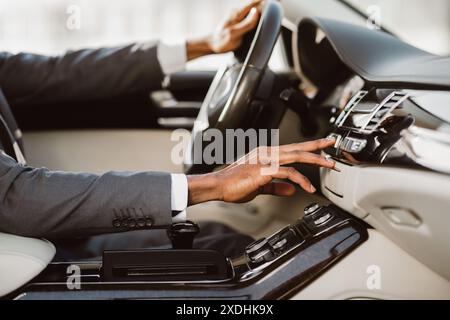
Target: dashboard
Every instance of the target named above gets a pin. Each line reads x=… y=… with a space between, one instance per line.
x=392 y=132
x=393 y=153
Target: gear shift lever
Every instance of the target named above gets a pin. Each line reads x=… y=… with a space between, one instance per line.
x=182 y=234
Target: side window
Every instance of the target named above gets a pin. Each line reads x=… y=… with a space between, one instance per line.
x=53 y=26
x=424 y=24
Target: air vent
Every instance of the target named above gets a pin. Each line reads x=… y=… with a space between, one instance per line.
x=350 y=106
x=383 y=110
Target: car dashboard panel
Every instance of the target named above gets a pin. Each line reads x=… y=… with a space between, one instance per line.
x=393 y=153
x=392 y=149
x=385 y=126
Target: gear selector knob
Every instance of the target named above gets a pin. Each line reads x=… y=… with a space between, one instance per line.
x=182 y=234
x=312 y=208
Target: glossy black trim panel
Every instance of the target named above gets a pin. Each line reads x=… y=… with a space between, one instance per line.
x=316 y=243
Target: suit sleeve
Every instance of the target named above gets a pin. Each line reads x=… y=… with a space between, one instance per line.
x=37 y=202
x=87 y=74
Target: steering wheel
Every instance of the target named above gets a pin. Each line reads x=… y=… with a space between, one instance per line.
x=234 y=87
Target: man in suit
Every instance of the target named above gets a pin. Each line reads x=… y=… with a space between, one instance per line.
x=37 y=202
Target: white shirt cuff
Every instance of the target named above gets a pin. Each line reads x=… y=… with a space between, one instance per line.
x=179 y=196
x=172 y=57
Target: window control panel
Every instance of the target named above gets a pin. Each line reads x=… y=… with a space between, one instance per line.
x=316 y=221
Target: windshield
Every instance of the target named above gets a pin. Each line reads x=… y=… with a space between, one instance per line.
x=424 y=24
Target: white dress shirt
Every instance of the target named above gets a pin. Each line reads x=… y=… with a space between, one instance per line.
x=173 y=58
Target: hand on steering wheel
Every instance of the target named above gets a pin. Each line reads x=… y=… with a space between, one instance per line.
x=229 y=34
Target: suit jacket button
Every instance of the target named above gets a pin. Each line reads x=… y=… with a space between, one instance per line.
x=140 y=222
x=116 y=223
x=148 y=222
x=131 y=223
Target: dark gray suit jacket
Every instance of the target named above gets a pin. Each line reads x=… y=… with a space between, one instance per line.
x=38 y=202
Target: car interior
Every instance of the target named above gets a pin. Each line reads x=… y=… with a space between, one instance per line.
x=376 y=229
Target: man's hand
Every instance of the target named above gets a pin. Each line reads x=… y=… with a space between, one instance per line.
x=229 y=34
x=243 y=180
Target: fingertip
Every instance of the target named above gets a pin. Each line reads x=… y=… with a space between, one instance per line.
x=336 y=169
x=249 y=23
x=308 y=188
x=329 y=161
x=331 y=164
x=329 y=141
x=253 y=13
x=325 y=162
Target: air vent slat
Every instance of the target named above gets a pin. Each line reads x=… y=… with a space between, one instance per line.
x=366 y=116
x=354 y=101
x=388 y=105
x=393 y=101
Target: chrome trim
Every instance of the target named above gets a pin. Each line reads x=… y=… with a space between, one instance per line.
x=19 y=155
x=388 y=99
x=350 y=106
x=311 y=209
x=18 y=134
x=256 y=245
x=353 y=145
x=231 y=276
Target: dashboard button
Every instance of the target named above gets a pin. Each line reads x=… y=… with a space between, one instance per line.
x=256 y=245
x=323 y=219
x=263 y=256
x=353 y=145
x=280 y=244
x=312 y=208
x=259 y=251
x=337 y=138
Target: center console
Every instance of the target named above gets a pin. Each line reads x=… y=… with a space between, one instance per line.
x=274 y=267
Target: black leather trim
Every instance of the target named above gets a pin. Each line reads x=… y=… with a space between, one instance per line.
x=376 y=56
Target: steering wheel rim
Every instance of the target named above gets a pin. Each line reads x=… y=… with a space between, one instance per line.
x=233 y=88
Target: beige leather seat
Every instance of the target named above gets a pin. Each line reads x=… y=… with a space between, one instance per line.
x=21 y=259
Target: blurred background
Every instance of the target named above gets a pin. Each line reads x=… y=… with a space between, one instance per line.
x=423 y=23
x=53 y=26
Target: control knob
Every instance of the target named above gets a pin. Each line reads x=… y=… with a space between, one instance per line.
x=311 y=209
x=259 y=251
